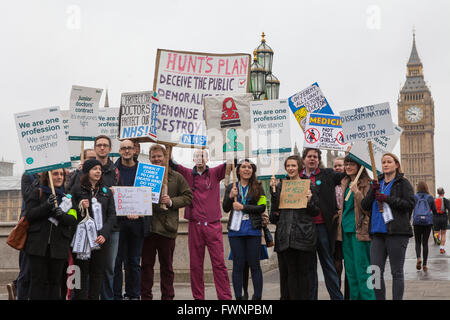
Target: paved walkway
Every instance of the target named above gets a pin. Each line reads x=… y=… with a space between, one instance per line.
x=432 y=285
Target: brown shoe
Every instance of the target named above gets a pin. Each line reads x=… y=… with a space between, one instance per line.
x=11 y=291
x=442 y=251
x=419 y=264
x=425 y=268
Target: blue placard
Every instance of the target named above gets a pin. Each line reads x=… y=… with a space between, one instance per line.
x=149 y=175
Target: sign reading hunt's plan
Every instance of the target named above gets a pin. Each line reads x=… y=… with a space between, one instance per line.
x=149 y=175
x=228 y=123
x=324 y=131
x=84 y=113
x=183 y=80
x=138 y=113
x=308 y=101
x=108 y=125
x=367 y=123
x=42 y=140
x=380 y=145
x=271 y=136
x=133 y=201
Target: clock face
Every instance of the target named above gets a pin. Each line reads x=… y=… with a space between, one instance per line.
x=414 y=114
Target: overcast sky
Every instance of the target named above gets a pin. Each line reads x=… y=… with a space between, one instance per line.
x=356 y=50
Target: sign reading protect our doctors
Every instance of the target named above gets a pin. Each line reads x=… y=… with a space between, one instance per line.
x=183 y=80
x=83 y=121
x=42 y=140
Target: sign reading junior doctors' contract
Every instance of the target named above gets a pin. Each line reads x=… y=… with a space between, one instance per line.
x=366 y=123
x=42 y=140
x=183 y=80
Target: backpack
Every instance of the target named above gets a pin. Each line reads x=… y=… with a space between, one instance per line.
x=422 y=214
x=440 y=205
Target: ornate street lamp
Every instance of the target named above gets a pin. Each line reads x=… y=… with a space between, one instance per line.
x=272 y=87
x=258 y=78
x=265 y=55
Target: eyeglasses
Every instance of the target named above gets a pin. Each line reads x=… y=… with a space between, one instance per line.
x=126 y=148
x=101 y=145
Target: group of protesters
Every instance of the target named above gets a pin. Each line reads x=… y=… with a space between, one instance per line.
x=349 y=217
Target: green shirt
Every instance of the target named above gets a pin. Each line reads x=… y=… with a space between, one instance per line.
x=348 y=215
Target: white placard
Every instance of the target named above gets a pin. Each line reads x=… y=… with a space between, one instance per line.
x=108 y=125
x=73 y=145
x=133 y=201
x=42 y=140
x=182 y=80
x=83 y=122
x=324 y=131
x=367 y=123
x=380 y=145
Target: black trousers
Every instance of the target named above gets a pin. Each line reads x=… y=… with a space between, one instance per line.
x=421 y=235
x=293 y=266
x=92 y=272
x=46 y=275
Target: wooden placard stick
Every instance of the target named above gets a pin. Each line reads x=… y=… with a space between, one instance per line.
x=165 y=187
x=234 y=177
x=354 y=182
x=82 y=152
x=374 y=169
x=50 y=179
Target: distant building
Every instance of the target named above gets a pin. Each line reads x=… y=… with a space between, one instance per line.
x=6 y=168
x=10 y=199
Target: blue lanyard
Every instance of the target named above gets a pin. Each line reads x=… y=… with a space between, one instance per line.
x=383 y=186
x=243 y=195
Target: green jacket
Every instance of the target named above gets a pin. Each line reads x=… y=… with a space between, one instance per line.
x=165 y=222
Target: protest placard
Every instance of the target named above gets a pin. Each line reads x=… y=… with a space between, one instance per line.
x=42 y=140
x=324 y=131
x=182 y=80
x=137 y=117
x=83 y=121
x=73 y=145
x=271 y=136
x=149 y=175
x=360 y=151
x=108 y=125
x=367 y=123
x=228 y=126
x=293 y=194
x=308 y=101
x=133 y=201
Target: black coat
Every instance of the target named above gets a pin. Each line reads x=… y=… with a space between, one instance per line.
x=401 y=200
x=41 y=230
x=105 y=196
x=251 y=208
x=326 y=193
x=295 y=228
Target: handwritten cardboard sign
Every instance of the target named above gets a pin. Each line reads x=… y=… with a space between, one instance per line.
x=133 y=201
x=293 y=194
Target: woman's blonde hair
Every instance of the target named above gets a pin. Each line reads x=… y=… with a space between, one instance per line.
x=396 y=159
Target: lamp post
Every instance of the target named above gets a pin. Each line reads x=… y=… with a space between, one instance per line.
x=268 y=88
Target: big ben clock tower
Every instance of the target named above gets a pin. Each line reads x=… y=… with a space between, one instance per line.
x=416 y=117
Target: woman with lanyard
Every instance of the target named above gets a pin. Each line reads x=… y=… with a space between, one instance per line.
x=353 y=230
x=295 y=236
x=91 y=190
x=390 y=229
x=49 y=235
x=246 y=201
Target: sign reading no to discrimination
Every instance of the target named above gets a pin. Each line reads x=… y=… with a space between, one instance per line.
x=42 y=140
x=366 y=123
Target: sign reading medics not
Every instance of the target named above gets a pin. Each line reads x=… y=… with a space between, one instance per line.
x=42 y=140
x=149 y=175
x=366 y=123
x=324 y=131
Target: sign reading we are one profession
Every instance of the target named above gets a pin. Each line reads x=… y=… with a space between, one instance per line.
x=42 y=140
x=183 y=80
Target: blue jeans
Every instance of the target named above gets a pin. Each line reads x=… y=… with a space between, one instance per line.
x=24 y=277
x=129 y=256
x=326 y=262
x=246 y=249
x=111 y=247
